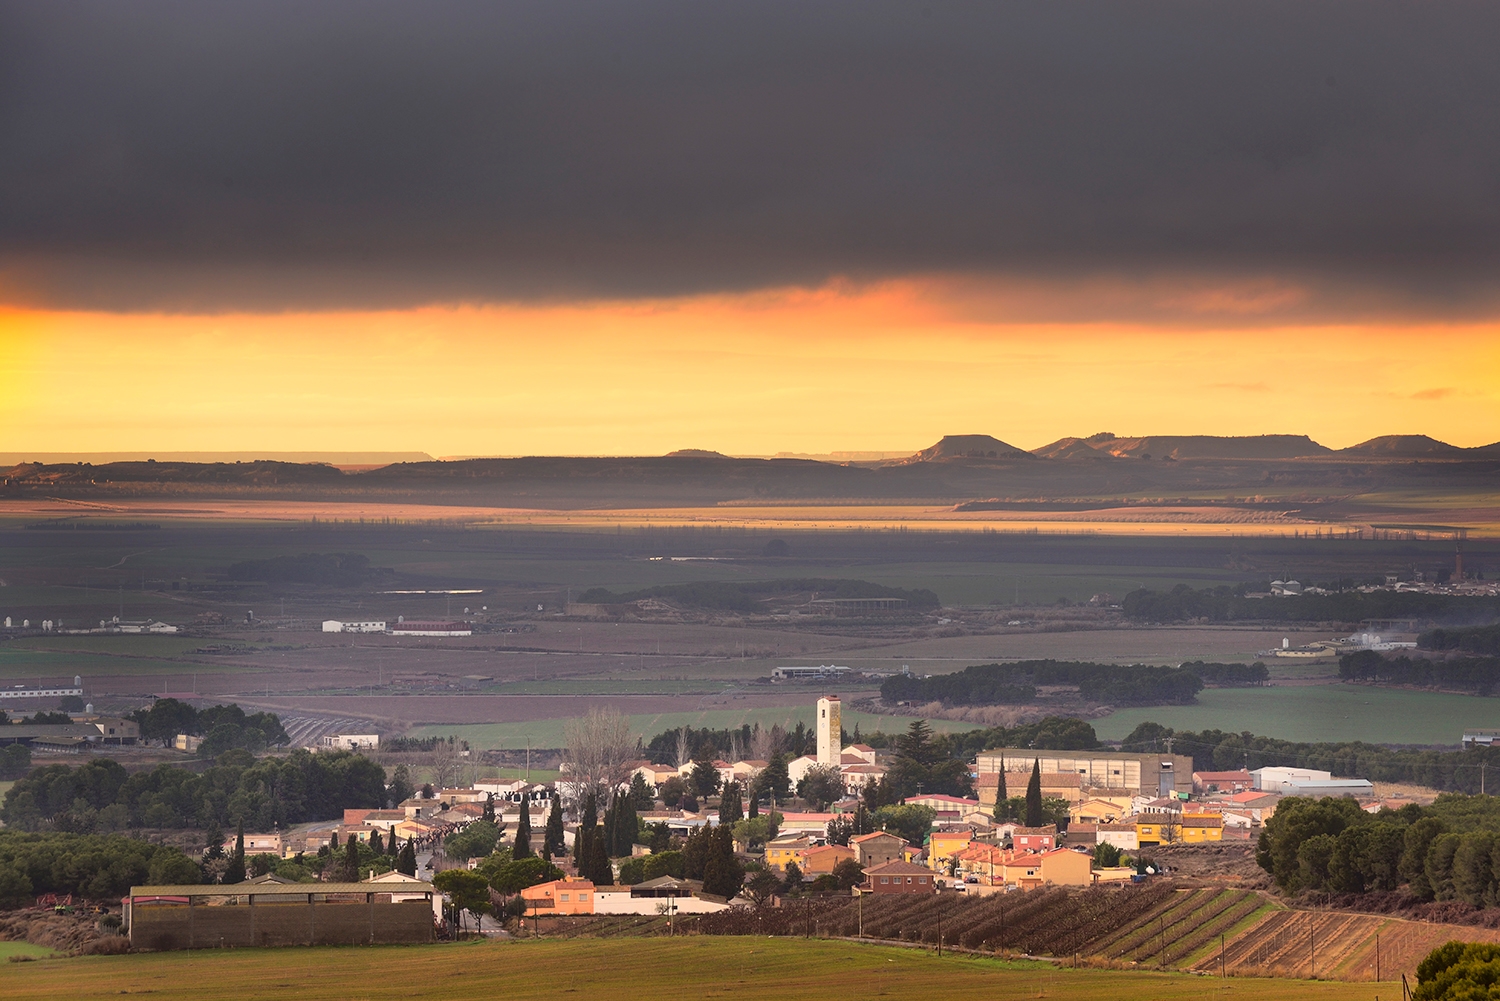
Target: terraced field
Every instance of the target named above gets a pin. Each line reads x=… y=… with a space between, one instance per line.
x=1336 y=946
x=1243 y=933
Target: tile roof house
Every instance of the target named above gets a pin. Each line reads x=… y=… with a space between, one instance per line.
x=876 y=849
x=899 y=877
x=821 y=859
x=561 y=896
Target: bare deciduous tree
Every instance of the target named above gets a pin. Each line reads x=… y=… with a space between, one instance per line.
x=684 y=749
x=599 y=748
x=446 y=763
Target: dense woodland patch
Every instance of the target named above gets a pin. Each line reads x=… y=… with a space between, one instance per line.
x=1009 y=684
x=1230 y=604
x=727 y=596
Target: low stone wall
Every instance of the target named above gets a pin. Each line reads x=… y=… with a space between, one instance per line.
x=200 y=925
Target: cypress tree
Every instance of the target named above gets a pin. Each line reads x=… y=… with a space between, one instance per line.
x=731 y=808
x=552 y=838
x=600 y=872
x=722 y=872
x=489 y=808
x=1034 y=796
x=627 y=827
x=406 y=862
x=349 y=870
x=376 y=844
x=236 y=871
x=523 y=833
x=1001 y=794
x=587 y=818
x=609 y=830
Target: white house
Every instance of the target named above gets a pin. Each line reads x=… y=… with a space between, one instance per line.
x=351 y=741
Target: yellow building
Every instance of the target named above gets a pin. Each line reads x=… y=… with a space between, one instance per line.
x=1198 y=828
x=1171 y=828
x=1059 y=867
x=784 y=850
x=1099 y=810
x=943 y=845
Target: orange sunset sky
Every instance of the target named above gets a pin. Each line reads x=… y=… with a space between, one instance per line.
x=888 y=366
x=568 y=228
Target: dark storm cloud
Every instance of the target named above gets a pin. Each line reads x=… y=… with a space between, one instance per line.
x=271 y=155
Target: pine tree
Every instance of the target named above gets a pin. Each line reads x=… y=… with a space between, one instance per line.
x=730 y=808
x=552 y=838
x=522 y=847
x=640 y=793
x=213 y=841
x=236 y=871
x=1034 y=796
x=406 y=862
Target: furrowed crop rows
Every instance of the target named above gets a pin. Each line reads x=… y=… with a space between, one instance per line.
x=1139 y=922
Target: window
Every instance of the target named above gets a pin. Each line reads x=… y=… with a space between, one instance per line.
x=885 y=879
x=563 y=897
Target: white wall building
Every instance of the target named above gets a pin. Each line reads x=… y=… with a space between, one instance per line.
x=1279 y=779
x=350 y=741
x=335 y=626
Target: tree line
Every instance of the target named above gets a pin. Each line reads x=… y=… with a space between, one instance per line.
x=1477 y=639
x=99 y=867
x=222 y=727
x=1005 y=684
x=735 y=596
x=1230 y=604
x=101 y=796
x=1475 y=674
x=1229 y=675
x=1220 y=750
x=1447 y=851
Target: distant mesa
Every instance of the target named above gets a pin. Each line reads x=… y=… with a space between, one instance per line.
x=696 y=453
x=968 y=446
x=1074 y=448
x=1191 y=446
x=1389 y=445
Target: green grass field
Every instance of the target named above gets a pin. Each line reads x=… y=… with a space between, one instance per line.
x=698 y=967
x=20 y=664
x=1320 y=713
x=24 y=949
x=549 y=732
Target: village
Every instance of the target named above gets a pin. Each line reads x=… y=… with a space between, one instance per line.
x=1105 y=814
